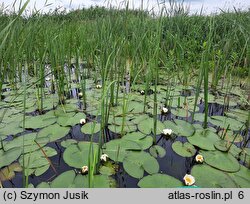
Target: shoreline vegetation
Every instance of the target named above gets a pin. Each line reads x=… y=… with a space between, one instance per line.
x=103 y=97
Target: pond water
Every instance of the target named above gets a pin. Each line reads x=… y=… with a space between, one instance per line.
x=171 y=163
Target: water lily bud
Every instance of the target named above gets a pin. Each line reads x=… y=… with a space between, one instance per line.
x=199 y=158
x=142 y=92
x=98 y=86
x=167 y=131
x=104 y=157
x=82 y=121
x=85 y=169
x=164 y=110
x=80 y=94
x=189 y=180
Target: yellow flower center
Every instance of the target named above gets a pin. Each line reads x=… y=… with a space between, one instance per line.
x=188 y=180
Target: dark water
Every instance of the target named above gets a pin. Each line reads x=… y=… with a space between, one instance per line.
x=171 y=164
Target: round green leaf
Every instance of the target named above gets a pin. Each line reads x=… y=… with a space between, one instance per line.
x=183 y=149
x=222 y=145
x=53 y=132
x=221 y=160
x=118 y=148
x=242 y=177
x=157 y=151
x=36 y=162
x=119 y=130
x=91 y=128
x=27 y=142
x=180 y=112
x=77 y=155
x=224 y=122
x=70 y=120
x=180 y=127
x=159 y=181
x=67 y=143
x=208 y=177
x=136 y=162
x=105 y=170
x=34 y=122
x=231 y=136
x=142 y=140
x=64 y=180
x=204 y=139
x=7 y=157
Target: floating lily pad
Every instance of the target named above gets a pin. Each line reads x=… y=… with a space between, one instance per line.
x=141 y=118
x=142 y=140
x=221 y=101
x=36 y=162
x=7 y=157
x=157 y=151
x=234 y=150
x=199 y=117
x=77 y=155
x=199 y=127
x=208 y=177
x=67 y=143
x=70 y=120
x=222 y=145
x=69 y=179
x=147 y=126
x=122 y=130
x=107 y=170
x=180 y=127
x=26 y=142
x=180 y=112
x=135 y=107
x=64 y=180
x=11 y=128
x=43 y=185
x=119 y=121
x=50 y=103
x=231 y=136
x=204 y=139
x=53 y=132
x=240 y=115
x=183 y=149
x=34 y=122
x=242 y=177
x=245 y=156
x=118 y=148
x=90 y=128
x=221 y=160
x=135 y=163
x=224 y=122
x=159 y=181
x=66 y=108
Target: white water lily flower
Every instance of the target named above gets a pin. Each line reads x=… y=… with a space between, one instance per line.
x=164 y=110
x=85 y=169
x=47 y=78
x=98 y=86
x=199 y=158
x=142 y=92
x=189 y=180
x=82 y=121
x=80 y=94
x=167 y=131
x=104 y=157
